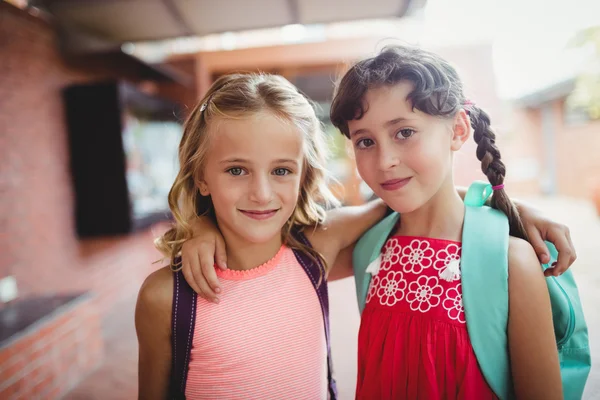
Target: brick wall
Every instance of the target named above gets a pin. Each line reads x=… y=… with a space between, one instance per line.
x=576 y=158
x=47 y=361
x=522 y=151
x=38 y=244
x=578 y=155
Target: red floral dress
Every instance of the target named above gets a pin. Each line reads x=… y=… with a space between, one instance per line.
x=413 y=341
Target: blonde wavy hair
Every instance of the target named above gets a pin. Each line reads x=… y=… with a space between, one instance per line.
x=237 y=96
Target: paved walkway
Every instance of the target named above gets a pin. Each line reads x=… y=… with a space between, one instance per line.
x=117 y=378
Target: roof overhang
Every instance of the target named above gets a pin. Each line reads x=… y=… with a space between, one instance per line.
x=144 y=20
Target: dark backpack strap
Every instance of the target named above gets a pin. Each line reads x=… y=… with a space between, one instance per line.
x=314 y=272
x=183 y=320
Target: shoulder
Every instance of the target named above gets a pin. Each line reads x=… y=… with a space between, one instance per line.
x=525 y=271
x=155 y=298
x=521 y=256
x=157 y=289
x=531 y=341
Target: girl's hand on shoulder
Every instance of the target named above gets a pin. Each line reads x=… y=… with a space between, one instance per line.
x=540 y=228
x=199 y=256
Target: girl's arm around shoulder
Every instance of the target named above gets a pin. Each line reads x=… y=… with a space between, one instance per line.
x=343 y=227
x=153 y=326
x=532 y=344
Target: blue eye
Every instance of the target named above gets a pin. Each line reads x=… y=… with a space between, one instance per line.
x=281 y=171
x=364 y=143
x=404 y=134
x=235 y=171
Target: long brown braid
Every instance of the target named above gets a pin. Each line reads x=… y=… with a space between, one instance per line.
x=493 y=167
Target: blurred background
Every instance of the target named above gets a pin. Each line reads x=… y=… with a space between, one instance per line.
x=92 y=98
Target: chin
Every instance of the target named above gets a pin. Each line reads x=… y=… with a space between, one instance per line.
x=402 y=205
x=260 y=235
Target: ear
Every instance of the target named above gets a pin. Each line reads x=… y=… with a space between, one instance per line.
x=461 y=130
x=202 y=187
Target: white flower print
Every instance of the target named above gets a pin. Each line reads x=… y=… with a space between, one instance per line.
x=392 y=287
x=372 y=288
x=424 y=293
x=453 y=303
x=447 y=263
x=391 y=254
x=373 y=268
x=446 y=256
x=417 y=256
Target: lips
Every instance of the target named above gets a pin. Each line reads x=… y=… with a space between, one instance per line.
x=395 y=184
x=259 y=214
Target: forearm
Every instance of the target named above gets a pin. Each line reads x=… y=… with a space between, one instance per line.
x=342 y=266
x=348 y=224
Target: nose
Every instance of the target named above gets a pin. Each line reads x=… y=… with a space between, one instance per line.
x=261 y=191
x=388 y=157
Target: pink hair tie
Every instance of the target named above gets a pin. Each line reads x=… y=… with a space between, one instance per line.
x=467 y=106
x=498 y=187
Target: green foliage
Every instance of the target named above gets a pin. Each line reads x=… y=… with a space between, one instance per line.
x=587 y=90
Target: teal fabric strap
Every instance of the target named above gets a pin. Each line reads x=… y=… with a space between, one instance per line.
x=366 y=250
x=484 y=268
x=478 y=194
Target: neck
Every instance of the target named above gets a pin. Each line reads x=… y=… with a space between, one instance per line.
x=441 y=217
x=243 y=255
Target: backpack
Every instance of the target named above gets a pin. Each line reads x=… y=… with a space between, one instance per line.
x=183 y=321
x=485 y=295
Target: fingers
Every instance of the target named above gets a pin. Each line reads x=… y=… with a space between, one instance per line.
x=198 y=270
x=209 y=275
x=571 y=243
x=188 y=275
x=535 y=238
x=220 y=253
x=561 y=238
x=206 y=291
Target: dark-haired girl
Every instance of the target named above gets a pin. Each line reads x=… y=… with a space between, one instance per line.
x=406 y=115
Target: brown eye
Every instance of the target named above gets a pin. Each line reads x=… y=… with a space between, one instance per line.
x=364 y=143
x=405 y=133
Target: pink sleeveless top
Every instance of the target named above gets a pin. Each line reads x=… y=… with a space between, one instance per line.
x=266 y=338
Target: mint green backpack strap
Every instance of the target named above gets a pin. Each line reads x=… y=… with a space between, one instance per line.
x=484 y=278
x=368 y=249
x=570 y=330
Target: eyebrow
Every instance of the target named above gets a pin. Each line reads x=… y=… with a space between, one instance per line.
x=243 y=161
x=234 y=160
x=386 y=125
